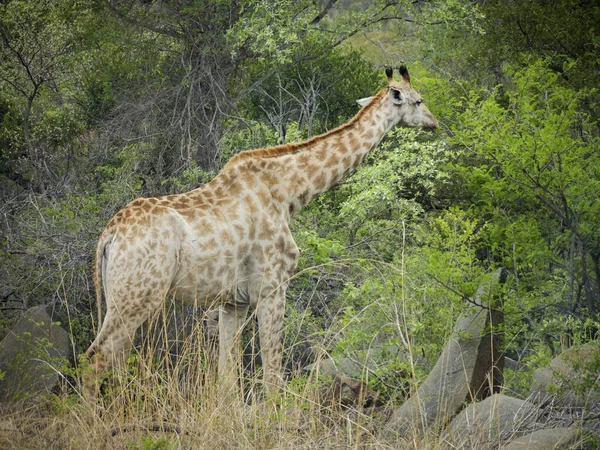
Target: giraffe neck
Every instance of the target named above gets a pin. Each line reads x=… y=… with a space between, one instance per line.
x=323 y=161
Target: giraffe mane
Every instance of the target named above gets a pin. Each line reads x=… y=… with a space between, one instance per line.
x=287 y=149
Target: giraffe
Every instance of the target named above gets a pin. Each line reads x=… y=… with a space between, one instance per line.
x=229 y=241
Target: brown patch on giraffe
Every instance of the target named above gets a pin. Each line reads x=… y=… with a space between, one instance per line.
x=270 y=165
x=334 y=177
x=368 y=133
x=341 y=148
x=252 y=229
x=227 y=237
x=321 y=153
x=233 y=215
x=239 y=228
x=347 y=162
x=159 y=210
x=303 y=160
x=332 y=160
x=235 y=188
x=253 y=208
x=226 y=177
x=353 y=141
x=137 y=202
x=242 y=251
x=188 y=213
x=320 y=181
x=206 y=226
x=179 y=205
x=224 y=201
x=248 y=178
x=198 y=201
x=304 y=197
x=264 y=197
x=153 y=200
x=297 y=179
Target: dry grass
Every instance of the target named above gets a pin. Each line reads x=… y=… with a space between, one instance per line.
x=168 y=397
x=156 y=412
x=164 y=400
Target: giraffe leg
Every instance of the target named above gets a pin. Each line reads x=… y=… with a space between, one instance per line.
x=270 y=312
x=115 y=339
x=231 y=321
x=110 y=348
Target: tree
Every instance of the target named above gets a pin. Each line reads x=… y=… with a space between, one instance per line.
x=38 y=44
x=531 y=168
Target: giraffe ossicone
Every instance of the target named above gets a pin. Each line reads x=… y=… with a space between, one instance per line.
x=229 y=241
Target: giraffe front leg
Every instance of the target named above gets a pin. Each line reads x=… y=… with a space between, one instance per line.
x=231 y=321
x=270 y=312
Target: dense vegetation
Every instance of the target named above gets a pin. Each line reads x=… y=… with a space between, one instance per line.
x=102 y=102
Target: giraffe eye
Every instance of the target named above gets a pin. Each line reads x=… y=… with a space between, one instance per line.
x=418 y=102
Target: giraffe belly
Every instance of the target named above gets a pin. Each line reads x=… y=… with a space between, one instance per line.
x=207 y=280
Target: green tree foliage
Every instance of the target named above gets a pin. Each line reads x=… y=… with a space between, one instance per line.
x=41 y=46
x=101 y=102
x=532 y=172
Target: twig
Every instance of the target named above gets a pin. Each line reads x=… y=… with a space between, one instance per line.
x=165 y=428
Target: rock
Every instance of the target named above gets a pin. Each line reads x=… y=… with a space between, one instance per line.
x=485 y=424
x=32 y=354
x=545 y=439
x=571 y=377
x=471 y=357
x=513 y=365
x=356 y=366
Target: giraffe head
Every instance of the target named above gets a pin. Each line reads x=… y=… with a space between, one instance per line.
x=405 y=105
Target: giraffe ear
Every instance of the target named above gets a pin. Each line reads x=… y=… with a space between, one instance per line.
x=364 y=101
x=397 y=96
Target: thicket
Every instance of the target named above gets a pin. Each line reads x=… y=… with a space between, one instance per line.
x=102 y=102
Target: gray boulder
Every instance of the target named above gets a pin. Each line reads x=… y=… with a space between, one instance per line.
x=469 y=361
x=357 y=365
x=31 y=355
x=571 y=378
x=487 y=423
x=546 y=439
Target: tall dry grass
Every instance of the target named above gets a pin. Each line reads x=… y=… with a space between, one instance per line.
x=168 y=397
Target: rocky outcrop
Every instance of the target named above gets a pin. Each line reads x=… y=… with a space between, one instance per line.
x=31 y=355
x=495 y=419
x=546 y=439
x=357 y=365
x=570 y=378
x=463 y=372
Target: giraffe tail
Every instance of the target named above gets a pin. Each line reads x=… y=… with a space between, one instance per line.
x=99 y=268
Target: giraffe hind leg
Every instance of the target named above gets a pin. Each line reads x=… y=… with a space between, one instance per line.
x=110 y=349
x=114 y=341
